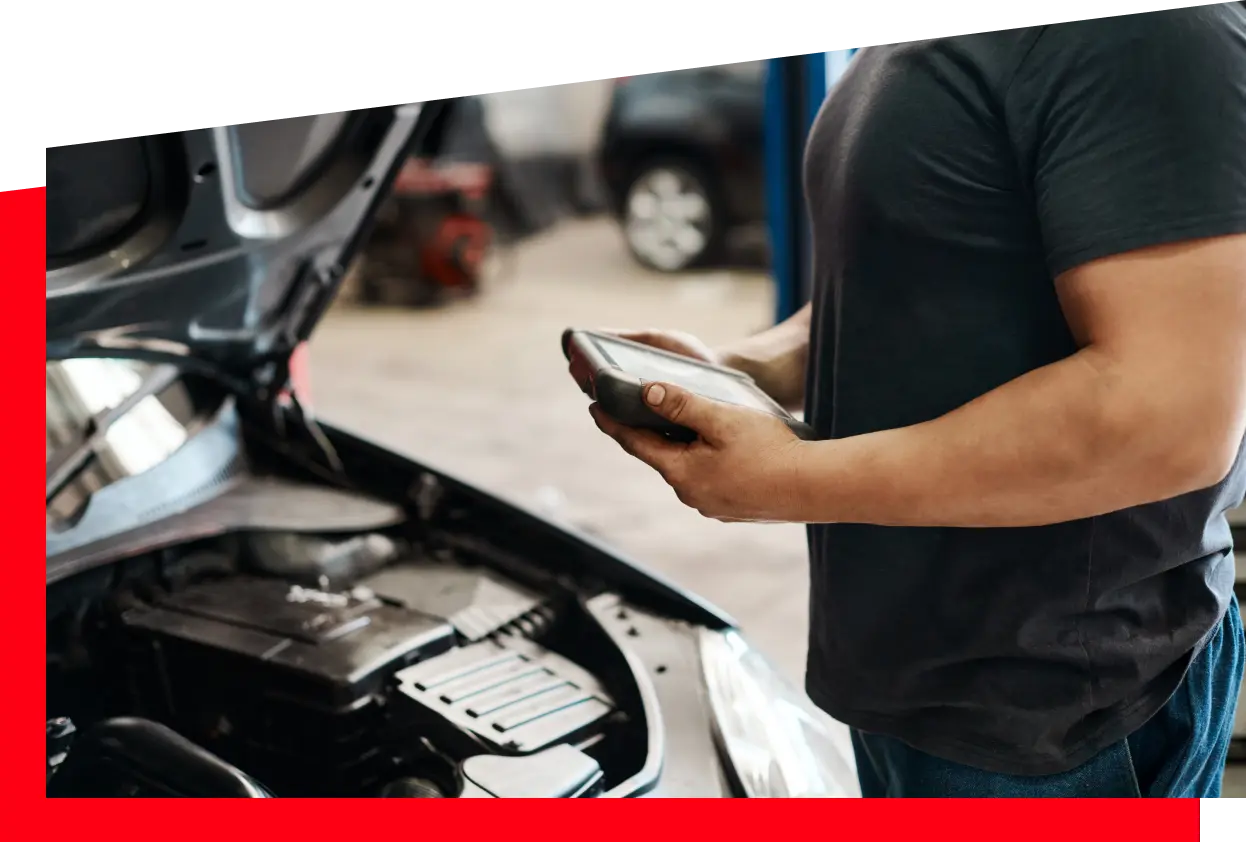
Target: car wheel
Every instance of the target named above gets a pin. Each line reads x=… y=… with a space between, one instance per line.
x=670 y=221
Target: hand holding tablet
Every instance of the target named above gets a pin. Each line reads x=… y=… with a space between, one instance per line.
x=614 y=371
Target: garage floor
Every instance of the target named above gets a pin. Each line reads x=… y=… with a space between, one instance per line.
x=480 y=389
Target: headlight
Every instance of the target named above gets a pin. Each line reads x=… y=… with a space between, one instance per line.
x=779 y=744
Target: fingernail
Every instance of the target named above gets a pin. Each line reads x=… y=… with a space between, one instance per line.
x=655 y=394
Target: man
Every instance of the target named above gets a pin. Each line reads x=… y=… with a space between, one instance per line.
x=1026 y=363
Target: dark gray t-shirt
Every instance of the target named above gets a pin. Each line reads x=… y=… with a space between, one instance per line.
x=948 y=182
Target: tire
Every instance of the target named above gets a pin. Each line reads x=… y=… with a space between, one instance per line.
x=671 y=218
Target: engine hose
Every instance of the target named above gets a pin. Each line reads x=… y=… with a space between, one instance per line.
x=411 y=788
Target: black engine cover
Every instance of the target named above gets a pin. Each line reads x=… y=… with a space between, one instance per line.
x=328 y=647
x=285 y=681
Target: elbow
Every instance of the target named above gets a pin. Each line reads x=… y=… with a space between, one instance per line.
x=1211 y=465
x=1163 y=449
x=1194 y=462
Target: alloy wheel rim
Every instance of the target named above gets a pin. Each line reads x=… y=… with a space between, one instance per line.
x=668 y=218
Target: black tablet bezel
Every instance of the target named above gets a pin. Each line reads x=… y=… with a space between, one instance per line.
x=620 y=393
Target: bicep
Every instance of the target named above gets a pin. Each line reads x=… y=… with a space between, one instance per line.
x=1166 y=327
x=1191 y=292
x=1130 y=133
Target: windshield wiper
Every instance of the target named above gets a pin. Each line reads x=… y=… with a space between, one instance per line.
x=72 y=457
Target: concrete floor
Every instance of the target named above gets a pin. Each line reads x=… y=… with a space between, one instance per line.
x=432 y=384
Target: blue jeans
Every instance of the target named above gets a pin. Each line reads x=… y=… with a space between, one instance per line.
x=1179 y=753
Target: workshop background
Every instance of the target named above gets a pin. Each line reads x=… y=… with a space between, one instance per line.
x=584 y=205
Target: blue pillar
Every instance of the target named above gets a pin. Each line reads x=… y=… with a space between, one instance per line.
x=795 y=89
x=779 y=184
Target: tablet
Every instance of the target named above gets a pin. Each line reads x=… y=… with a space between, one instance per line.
x=614 y=371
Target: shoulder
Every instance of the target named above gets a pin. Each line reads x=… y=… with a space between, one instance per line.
x=1173 y=39
x=991 y=57
x=1168 y=66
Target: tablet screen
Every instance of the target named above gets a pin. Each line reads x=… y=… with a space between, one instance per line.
x=696 y=378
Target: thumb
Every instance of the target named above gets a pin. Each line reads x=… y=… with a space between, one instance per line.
x=682 y=407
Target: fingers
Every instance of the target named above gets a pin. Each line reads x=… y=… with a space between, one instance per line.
x=605 y=423
x=634 y=334
x=710 y=419
x=654 y=450
x=654 y=338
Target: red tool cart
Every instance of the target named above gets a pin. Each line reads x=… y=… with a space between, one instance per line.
x=431 y=238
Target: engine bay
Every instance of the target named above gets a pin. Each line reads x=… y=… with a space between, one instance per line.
x=271 y=664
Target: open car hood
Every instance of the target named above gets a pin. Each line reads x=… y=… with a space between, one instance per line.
x=219 y=246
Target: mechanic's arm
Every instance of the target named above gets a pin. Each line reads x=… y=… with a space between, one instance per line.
x=1152 y=406
x=776 y=358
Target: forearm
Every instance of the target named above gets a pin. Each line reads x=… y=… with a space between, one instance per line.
x=776 y=358
x=1075 y=439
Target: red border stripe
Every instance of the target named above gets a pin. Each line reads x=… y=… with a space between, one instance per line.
x=22 y=225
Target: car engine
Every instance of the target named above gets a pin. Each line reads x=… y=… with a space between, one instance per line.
x=291 y=666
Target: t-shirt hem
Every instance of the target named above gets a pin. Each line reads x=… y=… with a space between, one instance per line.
x=1123 y=241
x=1128 y=718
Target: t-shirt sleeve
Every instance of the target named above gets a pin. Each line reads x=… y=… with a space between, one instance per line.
x=1131 y=131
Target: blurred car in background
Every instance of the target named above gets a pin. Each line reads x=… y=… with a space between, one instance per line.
x=681 y=157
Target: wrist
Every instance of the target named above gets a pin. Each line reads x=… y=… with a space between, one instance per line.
x=782 y=377
x=746 y=357
x=803 y=485
x=776 y=359
x=731 y=357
